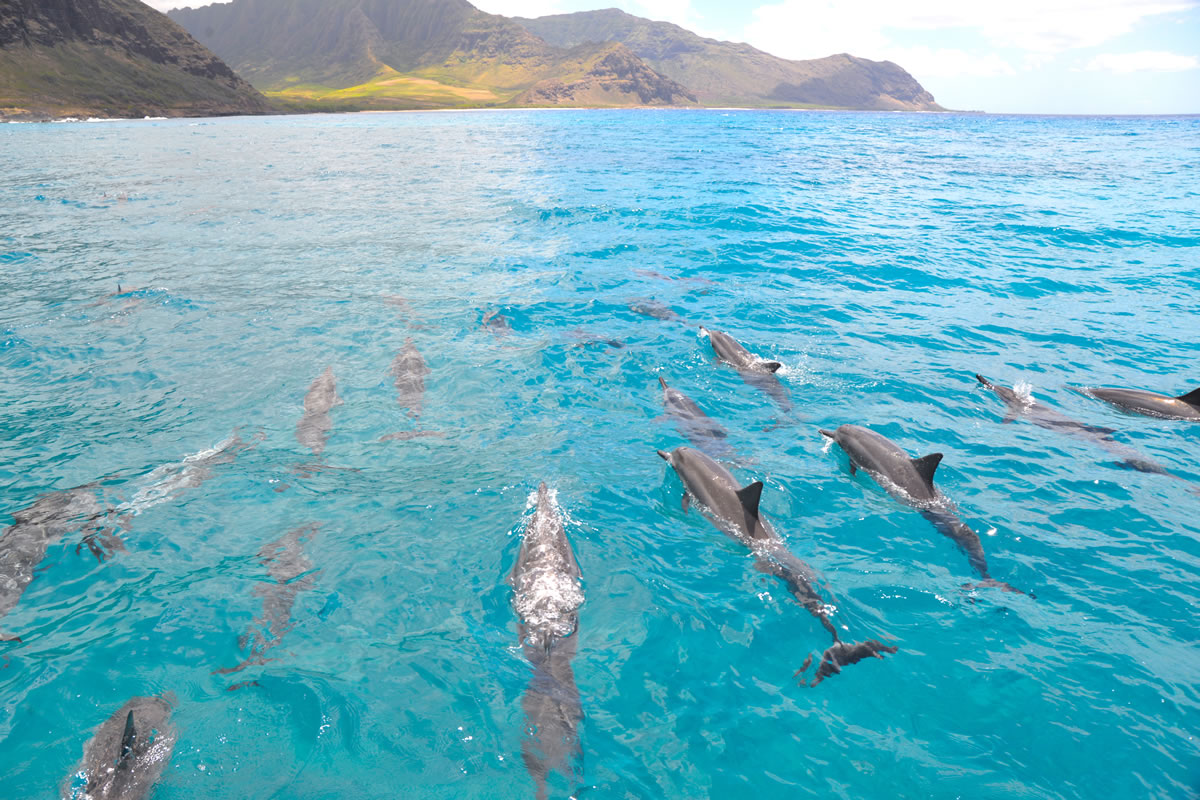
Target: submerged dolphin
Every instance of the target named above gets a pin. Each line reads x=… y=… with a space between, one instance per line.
x=910 y=480
x=291 y=573
x=52 y=516
x=312 y=430
x=170 y=480
x=127 y=754
x=547 y=596
x=409 y=370
x=757 y=372
x=735 y=511
x=655 y=309
x=1150 y=404
x=1023 y=405
x=700 y=429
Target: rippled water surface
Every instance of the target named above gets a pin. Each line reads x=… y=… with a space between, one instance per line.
x=884 y=259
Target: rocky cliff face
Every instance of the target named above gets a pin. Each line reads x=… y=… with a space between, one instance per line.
x=728 y=73
x=616 y=77
x=113 y=58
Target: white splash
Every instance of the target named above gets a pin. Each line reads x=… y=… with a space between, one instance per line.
x=1024 y=390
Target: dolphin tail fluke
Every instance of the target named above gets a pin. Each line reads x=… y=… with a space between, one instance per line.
x=992 y=583
x=842 y=654
x=5 y=636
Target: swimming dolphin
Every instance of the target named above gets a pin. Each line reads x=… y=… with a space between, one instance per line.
x=291 y=573
x=409 y=370
x=655 y=309
x=547 y=596
x=757 y=372
x=52 y=516
x=910 y=480
x=700 y=429
x=312 y=430
x=1023 y=405
x=734 y=511
x=1150 y=404
x=169 y=480
x=127 y=754
x=497 y=323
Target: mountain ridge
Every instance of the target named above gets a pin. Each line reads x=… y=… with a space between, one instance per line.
x=110 y=58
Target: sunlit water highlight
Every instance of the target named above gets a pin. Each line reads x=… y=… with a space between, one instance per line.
x=884 y=259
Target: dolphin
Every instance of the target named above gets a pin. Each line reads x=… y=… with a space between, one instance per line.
x=655 y=309
x=496 y=323
x=127 y=754
x=910 y=480
x=169 y=480
x=291 y=573
x=547 y=596
x=1023 y=405
x=700 y=429
x=1150 y=404
x=734 y=511
x=757 y=372
x=52 y=516
x=313 y=429
x=409 y=370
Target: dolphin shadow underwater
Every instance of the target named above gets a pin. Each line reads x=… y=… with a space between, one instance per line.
x=910 y=481
x=546 y=597
x=1019 y=404
x=735 y=512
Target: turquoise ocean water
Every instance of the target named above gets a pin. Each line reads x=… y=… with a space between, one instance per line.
x=884 y=259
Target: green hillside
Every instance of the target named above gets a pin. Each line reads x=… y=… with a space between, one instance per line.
x=110 y=58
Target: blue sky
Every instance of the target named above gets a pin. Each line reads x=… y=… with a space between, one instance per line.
x=1036 y=56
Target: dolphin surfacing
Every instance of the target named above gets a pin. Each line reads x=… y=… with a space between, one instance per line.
x=127 y=754
x=1150 y=404
x=409 y=370
x=735 y=511
x=1023 y=405
x=547 y=596
x=755 y=371
x=910 y=481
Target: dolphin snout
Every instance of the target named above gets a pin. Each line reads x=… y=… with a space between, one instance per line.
x=665 y=456
x=830 y=434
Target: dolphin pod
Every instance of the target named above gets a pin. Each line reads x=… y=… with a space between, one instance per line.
x=735 y=512
x=1150 y=404
x=1023 y=405
x=126 y=755
x=547 y=596
x=910 y=480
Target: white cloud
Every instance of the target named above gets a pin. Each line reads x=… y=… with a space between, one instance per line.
x=814 y=28
x=1144 y=61
x=929 y=62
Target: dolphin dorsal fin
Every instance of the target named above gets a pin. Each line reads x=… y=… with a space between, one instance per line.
x=127 y=739
x=750 y=496
x=927 y=465
x=771 y=366
x=1192 y=398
